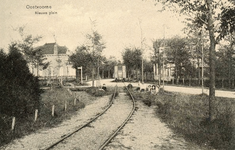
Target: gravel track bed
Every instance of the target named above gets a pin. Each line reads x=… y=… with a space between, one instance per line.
x=146 y=132
x=92 y=136
x=45 y=137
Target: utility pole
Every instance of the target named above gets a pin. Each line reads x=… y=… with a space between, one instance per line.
x=156 y=61
x=159 y=67
x=163 y=67
x=141 y=47
x=142 y=64
x=98 y=69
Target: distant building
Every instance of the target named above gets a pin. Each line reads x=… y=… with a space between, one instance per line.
x=59 y=66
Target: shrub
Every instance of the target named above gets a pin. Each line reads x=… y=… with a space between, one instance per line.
x=91 y=90
x=99 y=92
x=26 y=124
x=20 y=92
x=129 y=86
x=161 y=90
x=21 y=95
x=147 y=102
x=94 y=91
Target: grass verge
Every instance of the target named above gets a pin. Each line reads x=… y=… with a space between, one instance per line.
x=57 y=97
x=187 y=115
x=26 y=124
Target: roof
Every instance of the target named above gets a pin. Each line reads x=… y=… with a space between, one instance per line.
x=48 y=48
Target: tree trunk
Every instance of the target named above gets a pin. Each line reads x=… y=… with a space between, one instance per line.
x=98 y=73
x=233 y=83
x=199 y=75
x=145 y=76
x=190 y=80
x=32 y=69
x=109 y=73
x=222 y=82
x=129 y=76
x=93 y=76
x=159 y=72
x=176 y=74
x=136 y=72
x=103 y=74
x=229 y=71
x=77 y=75
x=210 y=27
x=37 y=69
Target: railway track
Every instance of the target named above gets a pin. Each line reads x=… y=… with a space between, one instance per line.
x=98 y=132
x=123 y=124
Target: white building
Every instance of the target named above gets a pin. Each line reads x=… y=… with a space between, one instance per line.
x=59 y=66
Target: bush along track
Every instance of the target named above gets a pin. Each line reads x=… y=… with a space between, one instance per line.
x=187 y=115
x=65 y=104
x=28 y=124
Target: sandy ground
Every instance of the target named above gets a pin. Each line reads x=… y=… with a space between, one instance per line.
x=43 y=138
x=146 y=132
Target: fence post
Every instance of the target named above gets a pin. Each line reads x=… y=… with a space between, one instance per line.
x=36 y=115
x=13 y=123
x=53 y=110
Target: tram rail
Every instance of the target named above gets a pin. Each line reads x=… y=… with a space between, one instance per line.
x=83 y=126
x=109 y=137
x=123 y=124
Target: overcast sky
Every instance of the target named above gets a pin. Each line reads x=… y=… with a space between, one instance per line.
x=118 y=21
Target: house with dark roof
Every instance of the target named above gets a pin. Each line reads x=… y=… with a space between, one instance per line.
x=57 y=56
x=52 y=48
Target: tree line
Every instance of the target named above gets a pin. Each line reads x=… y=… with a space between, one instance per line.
x=217 y=19
x=89 y=56
x=210 y=24
x=20 y=91
x=211 y=20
